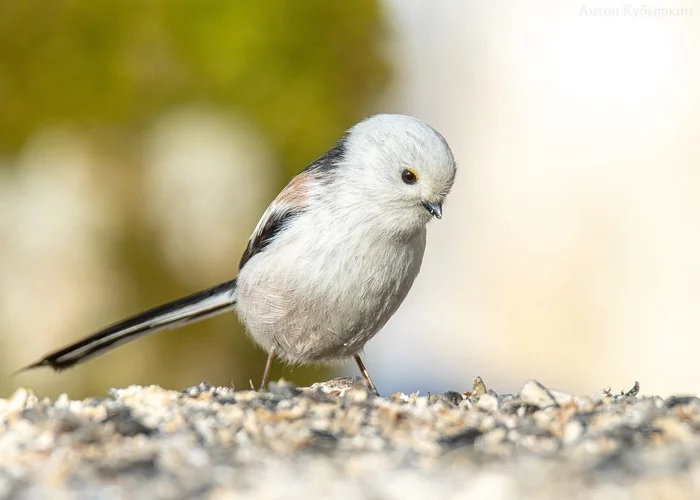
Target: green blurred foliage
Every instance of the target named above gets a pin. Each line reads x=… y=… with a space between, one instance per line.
x=301 y=71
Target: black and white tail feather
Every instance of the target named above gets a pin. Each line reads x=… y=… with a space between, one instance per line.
x=200 y=305
x=195 y=307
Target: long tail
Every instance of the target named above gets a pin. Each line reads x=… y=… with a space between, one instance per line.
x=200 y=305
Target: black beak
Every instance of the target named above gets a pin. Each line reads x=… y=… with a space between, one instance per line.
x=435 y=209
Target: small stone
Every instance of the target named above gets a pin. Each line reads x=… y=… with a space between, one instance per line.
x=633 y=391
x=573 y=431
x=487 y=403
x=449 y=398
x=358 y=393
x=283 y=389
x=17 y=402
x=560 y=397
x=535 y=394
x=199 y=389
x=336 y=384
x=478 y=387
x=504 y=398
x=453 y=397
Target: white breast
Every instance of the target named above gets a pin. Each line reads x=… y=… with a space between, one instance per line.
x=319 y=295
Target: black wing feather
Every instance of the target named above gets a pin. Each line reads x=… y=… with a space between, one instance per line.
x=279 y=219
x=272 y=227
x=330 y=159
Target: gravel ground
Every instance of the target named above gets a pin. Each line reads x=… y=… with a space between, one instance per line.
x=335 y=440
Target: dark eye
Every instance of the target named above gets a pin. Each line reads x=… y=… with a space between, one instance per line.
x=409 y=176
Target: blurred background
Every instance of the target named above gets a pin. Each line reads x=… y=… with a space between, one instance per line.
x=141 y=141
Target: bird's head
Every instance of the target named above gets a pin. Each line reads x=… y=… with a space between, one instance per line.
x=398 y=165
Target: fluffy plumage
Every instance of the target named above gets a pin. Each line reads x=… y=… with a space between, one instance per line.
x=331 y=259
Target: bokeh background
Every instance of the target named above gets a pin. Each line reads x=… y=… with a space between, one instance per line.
x=141 y=141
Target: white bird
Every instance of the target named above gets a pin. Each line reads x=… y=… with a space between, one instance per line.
x=331 y=259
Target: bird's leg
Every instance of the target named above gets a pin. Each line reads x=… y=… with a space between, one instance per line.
x=365 y=374
x=268 y=364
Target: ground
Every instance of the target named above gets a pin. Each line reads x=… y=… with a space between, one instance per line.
x=335 y=439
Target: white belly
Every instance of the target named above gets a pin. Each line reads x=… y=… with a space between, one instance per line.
x=320 y=303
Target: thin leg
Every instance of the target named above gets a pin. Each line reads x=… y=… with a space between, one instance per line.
x=268 y=364
x=365 y=374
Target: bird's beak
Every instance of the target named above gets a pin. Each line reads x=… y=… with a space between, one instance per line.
x=435 y=209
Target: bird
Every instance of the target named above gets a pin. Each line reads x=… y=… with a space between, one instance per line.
x=331 y=259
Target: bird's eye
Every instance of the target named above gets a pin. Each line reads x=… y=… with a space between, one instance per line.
x=409 y=176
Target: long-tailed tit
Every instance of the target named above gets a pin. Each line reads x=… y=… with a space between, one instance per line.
x=332 y=257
